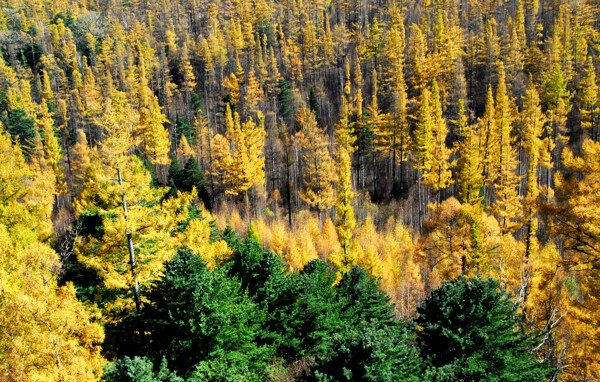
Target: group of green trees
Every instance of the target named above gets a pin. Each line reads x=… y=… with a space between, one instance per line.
x=253 y=319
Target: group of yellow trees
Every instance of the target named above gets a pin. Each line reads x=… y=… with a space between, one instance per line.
x=429 y=138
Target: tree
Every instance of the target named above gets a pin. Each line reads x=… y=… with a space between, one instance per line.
x=469 y=173
x=285 y=101
x=423 y=144
x=473 y=328
x=575 y=218
x=345 y=212
x=22 y=127
x=588 y=95
x=439 y=176
x=557 y=99
x=489 y=140
x=239 y=158
x=232 y=86
x=506 y=206
x=344 y=132
x=156 y=137
x=533 y=122
x=445 y=240
x=205 y=321
x=318 y=167
x=52 y=150
x=398 y=131
x=576 y=208
x=138 y=369
x=313 y=103
x=136 y=228
x=254 y=93
x=371 y=352
x=47 y=334
x=314 y=318
x=194 y=178
x=372 y=346
x=375 y=121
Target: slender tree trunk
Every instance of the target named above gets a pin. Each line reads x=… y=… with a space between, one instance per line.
x=136 y=287
x=289 y=196
x=420 y=201
x=247 y=200
x=374 y=176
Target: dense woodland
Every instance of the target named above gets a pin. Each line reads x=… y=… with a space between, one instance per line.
x=276 y=190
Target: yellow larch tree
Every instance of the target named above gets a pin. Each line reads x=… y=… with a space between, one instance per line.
x=488 y=141
x=47 y=334
x=196 y=235
x=507 y=204
x=91 y=101
x=238 y=156
x=254 y=93
x=189 y=79
x=469 y=173
x=273 y=75
x=423 y=145
x=80 y=159
x=249 y=161
x=184 y=151
x=367 y=246
x=232 y=86
x=345 y=221
x=203 y=144
x=588 y=98
x=47 y=92
x=440 y=175
x=318 y=169
x=155 y=135
x=43 y=188
x=136 y=227
x=445 y=243
x=344 y=132
x=533 y=122
x=575 y=218
x=397 y=124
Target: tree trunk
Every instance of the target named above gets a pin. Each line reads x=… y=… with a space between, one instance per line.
x=420 y=201
x=289 y=196
x=136 y=287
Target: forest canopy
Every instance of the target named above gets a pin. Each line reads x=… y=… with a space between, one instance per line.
x=279 y=190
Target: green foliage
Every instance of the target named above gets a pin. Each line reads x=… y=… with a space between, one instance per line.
x=264 y=275
x=371 y=346
x=286 y=102
x=362 y=301
x=472 y=326
x=183 y=128
x=198 y=315
x=196 y=103
x=372 y=352
x=150 y=168
x=314 y=319
x=191 y=177
x=187 y=178
x=313 y=103
x=22 y=128
x=138 y=369
x=175 y=176
x=555 y=88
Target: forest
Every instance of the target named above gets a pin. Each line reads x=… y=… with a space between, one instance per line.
x=312 y=190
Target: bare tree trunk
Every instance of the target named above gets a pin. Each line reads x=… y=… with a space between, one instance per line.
x=136 y=287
